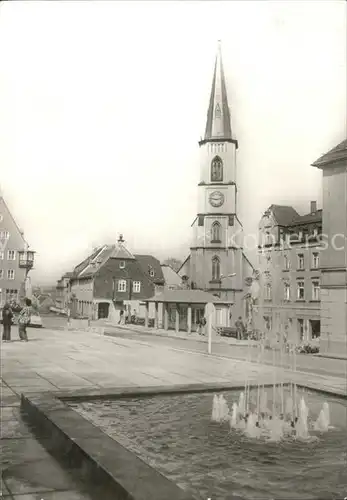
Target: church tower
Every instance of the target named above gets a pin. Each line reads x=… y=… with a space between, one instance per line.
x=216 y=262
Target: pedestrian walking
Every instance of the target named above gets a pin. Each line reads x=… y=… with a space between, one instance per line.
x=24 y=320
x=121 y=318
x=7 y=316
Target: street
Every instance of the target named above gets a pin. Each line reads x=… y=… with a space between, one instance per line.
x=305 y=362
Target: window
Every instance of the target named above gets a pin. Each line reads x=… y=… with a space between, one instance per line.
x=268 y=291
x=286 y=291
x=10 y=274
x=1 y=255
x=11 y=255
x=268 y=238
x=136 y=286
x=4 y=235
x=122 y=286
x=215 y=269
x=1 y=217
x=315 y=290
x=122 y=264
x=301 y=290
x=315 y=260
x=286 y=262
x=216 y=230
x=151 y=271
x=1 y=274
x=301 y=261
x=216 y=169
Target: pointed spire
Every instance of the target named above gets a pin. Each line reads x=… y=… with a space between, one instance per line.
x=218 y=125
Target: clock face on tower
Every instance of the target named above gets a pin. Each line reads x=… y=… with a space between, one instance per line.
x=216 y=199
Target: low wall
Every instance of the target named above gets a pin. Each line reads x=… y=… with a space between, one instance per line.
x=109 y=470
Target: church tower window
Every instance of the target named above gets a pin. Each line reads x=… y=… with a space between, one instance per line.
x=215 y=269
x=216 y=232
x=216 y=169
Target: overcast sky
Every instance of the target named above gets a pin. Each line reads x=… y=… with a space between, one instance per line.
x=102 y=105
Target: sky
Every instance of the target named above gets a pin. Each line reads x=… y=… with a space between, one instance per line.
x=102 y=105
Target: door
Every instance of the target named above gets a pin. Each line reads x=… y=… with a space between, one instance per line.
x=103 y=309
x=183 y=310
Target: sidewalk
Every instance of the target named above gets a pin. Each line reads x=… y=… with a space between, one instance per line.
x=59 y=361
x=159 y=332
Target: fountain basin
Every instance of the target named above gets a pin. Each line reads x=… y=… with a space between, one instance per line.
x=174 y=435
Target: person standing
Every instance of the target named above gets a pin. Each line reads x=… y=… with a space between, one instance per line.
x=7 y=316
x=24 y=320
x=203 y=326
x=240 y=328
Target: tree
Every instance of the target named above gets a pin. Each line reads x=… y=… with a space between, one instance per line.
x=173 y=262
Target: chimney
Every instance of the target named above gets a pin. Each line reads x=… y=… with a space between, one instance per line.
x=313 y=207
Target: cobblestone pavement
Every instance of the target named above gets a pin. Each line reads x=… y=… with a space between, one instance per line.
x=59 y=360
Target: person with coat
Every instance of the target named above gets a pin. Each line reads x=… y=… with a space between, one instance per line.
x=7 y=316
x=24 y=320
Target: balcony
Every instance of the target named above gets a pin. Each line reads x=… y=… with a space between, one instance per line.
x=26 y=259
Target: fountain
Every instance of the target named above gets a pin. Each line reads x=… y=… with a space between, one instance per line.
x=288 y=415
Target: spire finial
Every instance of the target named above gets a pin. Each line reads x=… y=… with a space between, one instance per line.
x=120 y=239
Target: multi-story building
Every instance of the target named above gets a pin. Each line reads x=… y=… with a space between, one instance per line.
x=217 y=263
x=62 y=298
x=334 y=252
x=289 y=257
x=112 y=279
x=16 y=260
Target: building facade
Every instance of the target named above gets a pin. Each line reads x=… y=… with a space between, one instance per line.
x=112 y=279
x=16 y=260
x=216 y=262
x=334 y=253
x=289 y=259
x=62 y=298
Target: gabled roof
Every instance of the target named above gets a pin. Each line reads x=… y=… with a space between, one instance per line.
x=187 y=297
x=171 y=277
x=132 y=270
x=93 y=263
x=148 y=263
x=316 y=216
x=121 y=253
x=338 y=153
x=2 y=200
x=283 y=214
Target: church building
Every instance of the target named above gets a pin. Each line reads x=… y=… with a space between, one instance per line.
x=217 y=263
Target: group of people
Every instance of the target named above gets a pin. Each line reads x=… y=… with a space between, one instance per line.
x=23 y=321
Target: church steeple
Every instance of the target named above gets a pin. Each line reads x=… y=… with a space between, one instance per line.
x=218 y=125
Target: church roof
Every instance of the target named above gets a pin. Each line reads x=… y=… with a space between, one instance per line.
x=218 y=124
x=338 y=153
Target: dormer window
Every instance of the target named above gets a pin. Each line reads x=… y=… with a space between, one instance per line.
x=122 y=264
